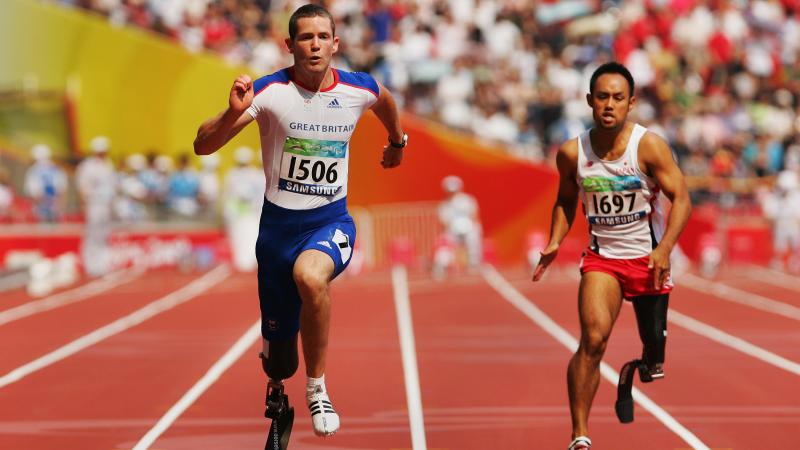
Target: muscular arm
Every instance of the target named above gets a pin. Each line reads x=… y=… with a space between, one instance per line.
x=386 y=110
x=656 y=159
x=217 y=131
x=565 y=206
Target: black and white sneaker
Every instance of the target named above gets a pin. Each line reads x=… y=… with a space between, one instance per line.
x=323 y=416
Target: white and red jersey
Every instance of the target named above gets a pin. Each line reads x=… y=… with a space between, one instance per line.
x=305 y=135
x=622 y=204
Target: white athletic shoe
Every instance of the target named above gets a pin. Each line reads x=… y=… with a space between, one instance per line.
x=580 y=443
x=323 y=416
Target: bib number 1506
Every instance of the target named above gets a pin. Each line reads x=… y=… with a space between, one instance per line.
x=317 y=171
x=613 y=202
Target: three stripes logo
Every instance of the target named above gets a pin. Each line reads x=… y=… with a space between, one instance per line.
x=334 y=104
x=321 y=406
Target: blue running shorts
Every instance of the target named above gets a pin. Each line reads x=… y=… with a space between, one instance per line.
x=283 y=235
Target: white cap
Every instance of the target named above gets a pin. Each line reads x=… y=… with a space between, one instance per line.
x=452 y=183
x=787 y=181
x=99 y=144
x=163 y=163
x=136 y=161
x=243 y=155
x=40 y=152
x=210 y=162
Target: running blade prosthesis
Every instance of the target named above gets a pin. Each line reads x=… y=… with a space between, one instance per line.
x=624 y=404
x=282 y=416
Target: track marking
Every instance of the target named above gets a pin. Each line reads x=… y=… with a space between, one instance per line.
x=405 y=328
x=527 y=307
x=776 y=277
x=150 y=310
x=231 y=356
x=13 y=280
x=728 y=340
x=731 y=341
x=75 y=295
x=731 y=294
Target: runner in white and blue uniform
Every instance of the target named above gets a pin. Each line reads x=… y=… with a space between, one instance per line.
x=306 y=115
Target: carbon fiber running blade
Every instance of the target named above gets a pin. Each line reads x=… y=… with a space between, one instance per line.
x=624 y=405
x=279 y=431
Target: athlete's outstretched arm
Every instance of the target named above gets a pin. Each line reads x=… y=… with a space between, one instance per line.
x=659 y=164
x=386 y=110
x=565 y=206
x=217 y=131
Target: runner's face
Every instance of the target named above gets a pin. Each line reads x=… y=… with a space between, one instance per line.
x=314 y=44
x=610 y=101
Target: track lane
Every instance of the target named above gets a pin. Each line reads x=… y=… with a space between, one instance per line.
x=728 y=399
x=364 y=377
x=110 y=394
x=30 y=337
x=493 y=379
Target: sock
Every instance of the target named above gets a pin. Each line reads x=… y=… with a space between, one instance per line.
x=315 y=385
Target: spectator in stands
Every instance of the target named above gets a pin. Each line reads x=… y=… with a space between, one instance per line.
x=97 y=186
x=46 y=184
x=129 y=204
x=716 y=69
x=184 y=189
x=209 y=187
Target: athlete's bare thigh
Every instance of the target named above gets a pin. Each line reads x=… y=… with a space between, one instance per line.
x=599 y=302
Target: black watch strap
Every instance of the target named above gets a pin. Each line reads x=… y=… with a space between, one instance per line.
x=401 y=144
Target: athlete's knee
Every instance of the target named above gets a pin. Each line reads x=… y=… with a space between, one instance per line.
x=310 y=280
x=594 y=343
x=279 y=359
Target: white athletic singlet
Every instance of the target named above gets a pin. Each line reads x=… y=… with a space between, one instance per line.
x=305 y=135
x=621 y=203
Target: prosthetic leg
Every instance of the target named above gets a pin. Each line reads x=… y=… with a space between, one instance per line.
x=651 y=319
x=279 y=363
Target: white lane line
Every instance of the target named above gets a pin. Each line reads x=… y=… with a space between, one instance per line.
x=731 y=294
x=13 y=280
x=776 y=277
x=527 y=307
x=231 y=356
x=165 y=303
x=75 y=295
x=733 y=342
x=408 y=350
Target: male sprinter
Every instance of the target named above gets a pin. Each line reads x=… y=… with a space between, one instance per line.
x=618 y=169
x=306 y=115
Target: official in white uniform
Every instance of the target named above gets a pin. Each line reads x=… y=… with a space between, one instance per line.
x=97 y=186
x=244 y=196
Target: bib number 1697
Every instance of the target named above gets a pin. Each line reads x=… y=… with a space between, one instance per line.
x=614 y=202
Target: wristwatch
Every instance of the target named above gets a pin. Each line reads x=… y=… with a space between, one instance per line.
x=401 y=144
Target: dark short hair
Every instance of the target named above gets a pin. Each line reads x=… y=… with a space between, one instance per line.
x=309 y=10
x=612 y=67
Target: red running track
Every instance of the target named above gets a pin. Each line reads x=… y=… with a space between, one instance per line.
x=489 y=377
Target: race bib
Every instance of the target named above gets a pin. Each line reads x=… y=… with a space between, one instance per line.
x=312 y=167
x=615 y=200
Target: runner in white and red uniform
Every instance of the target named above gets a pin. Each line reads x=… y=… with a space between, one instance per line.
x=306 y=116
x=618 y=170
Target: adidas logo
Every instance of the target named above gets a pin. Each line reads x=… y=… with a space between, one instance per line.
x=334 y=104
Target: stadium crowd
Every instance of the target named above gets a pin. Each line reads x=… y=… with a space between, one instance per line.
x=720 y=79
